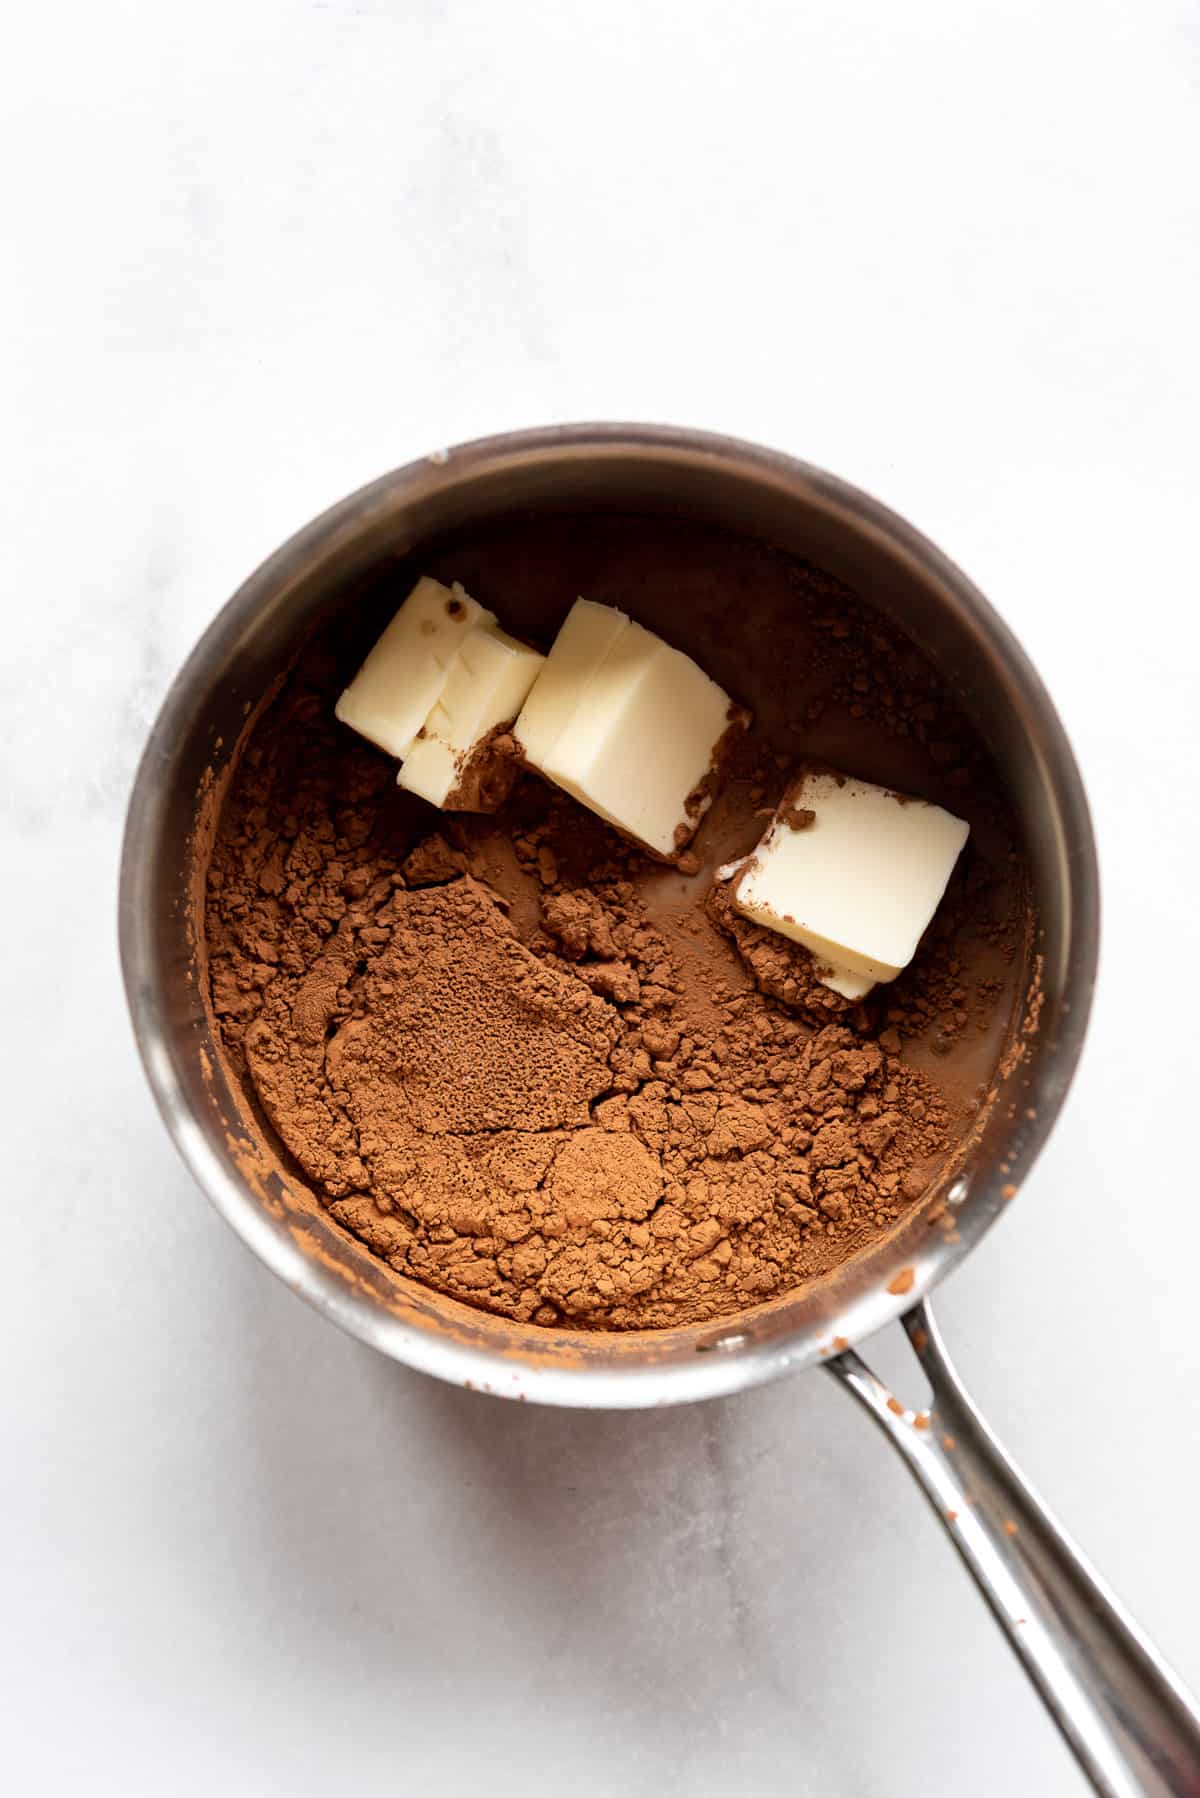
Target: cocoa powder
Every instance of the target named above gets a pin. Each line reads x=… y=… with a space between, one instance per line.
x=539 y=1072
x=553 y=1128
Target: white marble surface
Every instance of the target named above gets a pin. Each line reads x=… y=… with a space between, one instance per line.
x=257 y=252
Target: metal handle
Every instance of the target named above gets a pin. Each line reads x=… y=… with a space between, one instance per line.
x=1130 y=1723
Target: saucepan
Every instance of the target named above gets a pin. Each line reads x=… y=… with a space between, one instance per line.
x=1129 y=1722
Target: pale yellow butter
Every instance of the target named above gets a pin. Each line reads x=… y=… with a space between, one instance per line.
x=627 y=725
x=403 y=677
x=860 y=884
x=486 y=686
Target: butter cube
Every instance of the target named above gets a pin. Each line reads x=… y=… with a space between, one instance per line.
x=449 y=764
x=588 y=633
x=854 y=873
x=403 y=678
x=628 y=726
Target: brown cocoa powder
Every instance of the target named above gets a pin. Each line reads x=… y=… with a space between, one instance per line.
x=552 y=1129
x=534 y=1069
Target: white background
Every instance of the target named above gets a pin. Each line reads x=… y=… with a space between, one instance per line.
x=255 y=253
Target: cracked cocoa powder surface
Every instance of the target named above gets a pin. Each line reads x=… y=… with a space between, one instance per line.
x=533 y=1069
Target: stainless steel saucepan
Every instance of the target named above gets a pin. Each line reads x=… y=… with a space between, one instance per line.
x=1129 y=1722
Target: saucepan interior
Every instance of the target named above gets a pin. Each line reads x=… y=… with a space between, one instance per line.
x=233 y=669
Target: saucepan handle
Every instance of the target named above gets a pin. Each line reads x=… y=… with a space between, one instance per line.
x=1130 y=1723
